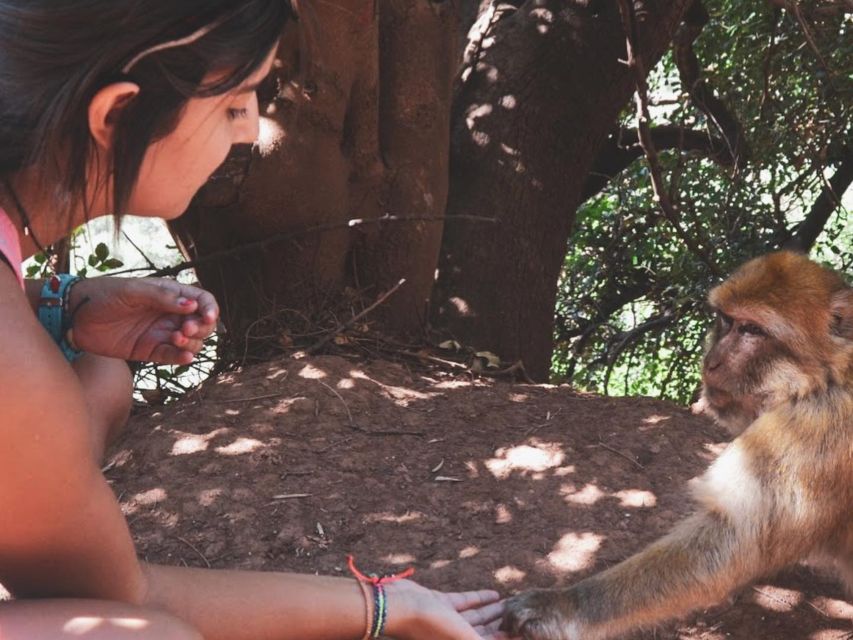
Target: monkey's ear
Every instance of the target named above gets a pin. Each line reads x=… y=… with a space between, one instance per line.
x=841 y=309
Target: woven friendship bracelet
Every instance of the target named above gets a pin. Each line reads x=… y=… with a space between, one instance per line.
x=380 y=602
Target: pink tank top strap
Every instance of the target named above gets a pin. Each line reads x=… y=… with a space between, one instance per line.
x=10 y=245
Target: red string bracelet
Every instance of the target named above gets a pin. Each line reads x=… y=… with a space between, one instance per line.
x=376 y=621
x=375 y=579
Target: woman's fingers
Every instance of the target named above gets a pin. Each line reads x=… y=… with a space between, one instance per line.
x=464 y=600
x=482 y=616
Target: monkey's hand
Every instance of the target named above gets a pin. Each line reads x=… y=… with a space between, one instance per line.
x=544 y=614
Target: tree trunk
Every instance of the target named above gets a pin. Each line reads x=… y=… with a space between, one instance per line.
x=358 y=128
x=535 y=103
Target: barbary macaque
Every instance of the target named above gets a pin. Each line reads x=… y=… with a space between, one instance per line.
x=778 y=371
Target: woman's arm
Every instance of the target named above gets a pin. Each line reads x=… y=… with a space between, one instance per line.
x=62 y=532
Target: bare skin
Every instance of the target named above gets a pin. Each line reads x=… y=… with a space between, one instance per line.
x=67 y=555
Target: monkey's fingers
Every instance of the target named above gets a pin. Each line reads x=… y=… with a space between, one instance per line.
x=536 y=615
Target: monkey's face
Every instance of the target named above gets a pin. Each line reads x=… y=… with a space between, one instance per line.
x=739 y=371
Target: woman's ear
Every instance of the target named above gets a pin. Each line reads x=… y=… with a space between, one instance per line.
x=105 y=108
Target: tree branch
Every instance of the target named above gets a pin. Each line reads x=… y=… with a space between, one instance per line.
x=629 y=20
x=807 y=232
x=700 y=93
x=623 y=147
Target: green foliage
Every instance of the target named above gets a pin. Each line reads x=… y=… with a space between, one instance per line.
x=630 y=314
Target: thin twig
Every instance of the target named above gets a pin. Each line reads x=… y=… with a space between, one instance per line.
x=340 y=397
x=140 y=251
x=191 y=546
x=346 y=325
x=619 y=453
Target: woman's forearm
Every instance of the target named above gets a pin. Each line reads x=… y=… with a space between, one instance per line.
x=234 y=605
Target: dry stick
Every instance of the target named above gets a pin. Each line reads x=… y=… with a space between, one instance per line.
x=341 y=398
x=629 y=20
x=619 y=453
x=346 y=325
x=190 y=545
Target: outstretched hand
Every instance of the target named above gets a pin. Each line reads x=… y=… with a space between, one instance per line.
x=418 y=613
x=146 y=319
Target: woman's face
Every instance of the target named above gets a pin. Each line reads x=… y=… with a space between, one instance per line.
x=176 y=166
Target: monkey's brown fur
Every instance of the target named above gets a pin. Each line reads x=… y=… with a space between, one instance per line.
x=779 y=369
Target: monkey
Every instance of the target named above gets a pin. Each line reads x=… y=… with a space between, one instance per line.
x=778 y=373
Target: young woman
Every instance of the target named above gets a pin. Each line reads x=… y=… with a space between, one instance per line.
x=113 y=106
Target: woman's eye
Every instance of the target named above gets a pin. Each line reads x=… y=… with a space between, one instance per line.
x=236 y=114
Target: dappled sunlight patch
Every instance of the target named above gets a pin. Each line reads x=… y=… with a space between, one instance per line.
x=518 y=397
x=509 y=574
x=439 y=564
x=588 y=495
x=453 y=384
x=475 y=112
x=562 y=472
x=525 y=458
x=508 y=102
x=502 y=514
x=152 y=496
x=310 y=372
x=207 y=497
x=838 y=609
x=346 y=383
x=655 y=419
x=191 y=443
x=387 y=516
x=399 y=558
x=636 y=498
x=575 y=551
x=276 y=373
x=143 y=499
x=776 y=598
x=831 y=634
x=469 y=552
x=544 y=17
x=240 y=446
x=401 y=395
x=232 y=412
x=460 y=305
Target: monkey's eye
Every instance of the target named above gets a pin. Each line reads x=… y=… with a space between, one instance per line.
x=752 y=330
x=724 y=320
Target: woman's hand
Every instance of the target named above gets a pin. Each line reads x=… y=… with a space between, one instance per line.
x=146 y=319
x=418 y=613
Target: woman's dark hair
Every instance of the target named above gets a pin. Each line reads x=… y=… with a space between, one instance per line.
x=56 y=56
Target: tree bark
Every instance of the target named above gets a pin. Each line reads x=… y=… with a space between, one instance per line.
x=358 y=127
x=532 y=110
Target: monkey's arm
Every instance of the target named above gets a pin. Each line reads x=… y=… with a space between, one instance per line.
x=697 y=564
x=749 y=524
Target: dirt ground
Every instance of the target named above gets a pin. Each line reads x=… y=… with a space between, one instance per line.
x=294 y=464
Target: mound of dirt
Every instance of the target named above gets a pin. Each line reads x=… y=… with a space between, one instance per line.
x=294 y=464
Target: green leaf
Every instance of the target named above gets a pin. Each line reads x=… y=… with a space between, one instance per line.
x=102 y=251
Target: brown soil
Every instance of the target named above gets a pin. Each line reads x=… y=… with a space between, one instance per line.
x=294 y=464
